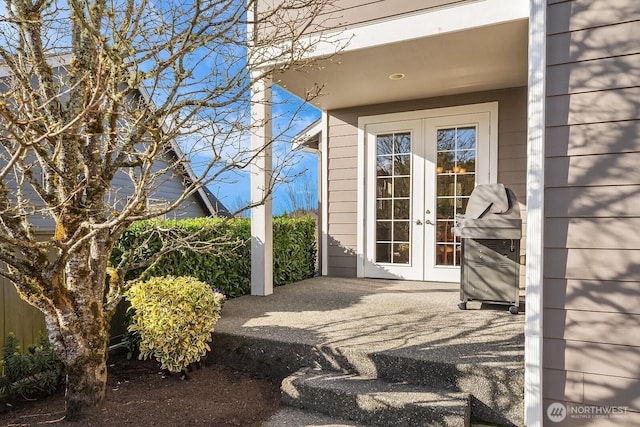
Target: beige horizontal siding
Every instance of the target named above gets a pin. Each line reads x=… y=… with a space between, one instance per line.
x=342 y=140
x=342 y=174
x=343 y=195
x=591 y=259
x=582 y=14
x=612 y=391
x=595 y=389
x=352 y=13
x=613 y=233
x=512 y=164
x=564 y=385
x=600 y=390
x=630 y=419
x=600 y=74
x=513 y=125
x=341 y=14
x=592 y=358
x=595 y=170
x=341 y=185
x=508 y=139
x=605 y=328
x=595 y=43
x=342 y=163
x=343 y=230
x=592 y=264
x=592 y=295
x=345 y=152
x=593 y=138
x=341 y=218
x=342 y=272
x=513 y=179
x=593 y=107
x=339 y=251
x=510 y=152
x=343 y=262
x=615 y=201
x=342 y=207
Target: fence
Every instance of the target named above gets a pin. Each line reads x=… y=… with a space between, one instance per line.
x=19 y=317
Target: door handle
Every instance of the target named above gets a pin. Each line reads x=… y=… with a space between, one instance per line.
x=428 y=222
x=418 y=222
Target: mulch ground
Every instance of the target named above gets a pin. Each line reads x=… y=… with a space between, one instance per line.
x=138 y=394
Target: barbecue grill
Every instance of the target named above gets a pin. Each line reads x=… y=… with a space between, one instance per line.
x=490 y=232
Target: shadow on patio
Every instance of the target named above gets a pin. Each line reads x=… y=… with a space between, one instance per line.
x=393 y=330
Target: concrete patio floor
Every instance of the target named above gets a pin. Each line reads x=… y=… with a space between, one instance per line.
x=419 y=320
x=392 y=330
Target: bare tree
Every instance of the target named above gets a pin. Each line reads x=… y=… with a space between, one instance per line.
x=93 y=91
x=302 y=195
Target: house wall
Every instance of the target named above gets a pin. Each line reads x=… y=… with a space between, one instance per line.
x=591 y=346
x=351 y=13
x=342 y=161
x=169 y=187
x=344 y=14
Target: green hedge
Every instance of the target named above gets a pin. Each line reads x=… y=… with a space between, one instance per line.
x=229 y=269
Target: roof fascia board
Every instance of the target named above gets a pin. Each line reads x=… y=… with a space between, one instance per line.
x=311 y=132
x=464 y=16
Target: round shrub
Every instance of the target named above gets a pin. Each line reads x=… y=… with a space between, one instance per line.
x=174 y=317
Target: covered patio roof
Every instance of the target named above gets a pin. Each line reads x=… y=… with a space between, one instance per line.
x=471 y=60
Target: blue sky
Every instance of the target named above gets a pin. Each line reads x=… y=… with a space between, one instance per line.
x=302 y=166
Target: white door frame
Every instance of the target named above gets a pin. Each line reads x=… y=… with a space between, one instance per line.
x=492 y=171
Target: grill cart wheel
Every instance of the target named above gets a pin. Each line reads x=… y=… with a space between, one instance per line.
x=462 y=306
x=513 y=309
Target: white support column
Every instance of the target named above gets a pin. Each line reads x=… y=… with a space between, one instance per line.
x=261 y=170
x=324 y=191
x=533 y=336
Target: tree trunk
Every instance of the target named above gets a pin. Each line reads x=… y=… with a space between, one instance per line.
x=81 y=330
x=86 y=384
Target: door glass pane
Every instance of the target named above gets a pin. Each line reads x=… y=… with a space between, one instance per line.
x=385 y=165
x=402 y=187
x=393 y=198
x=402 y=165
x=383 y=209
x=401 y=231
x=384 y=187
x=400 y=253
x=401 y=209
x=455 y=180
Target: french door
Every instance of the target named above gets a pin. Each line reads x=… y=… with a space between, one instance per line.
x=420 y=174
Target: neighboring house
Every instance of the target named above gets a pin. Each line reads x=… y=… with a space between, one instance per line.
x=429 y=98
x=27 y=322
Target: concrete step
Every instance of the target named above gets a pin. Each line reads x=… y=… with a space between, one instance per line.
x=496 y=388
x=375 y=402
x=287 y=416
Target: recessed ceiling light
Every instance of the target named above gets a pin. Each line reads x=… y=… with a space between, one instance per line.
x=396 y=76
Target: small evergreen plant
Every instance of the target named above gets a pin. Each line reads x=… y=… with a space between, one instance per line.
x=34 y=372
x=174 y=317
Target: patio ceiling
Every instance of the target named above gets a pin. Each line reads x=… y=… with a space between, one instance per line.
x=479 y=59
